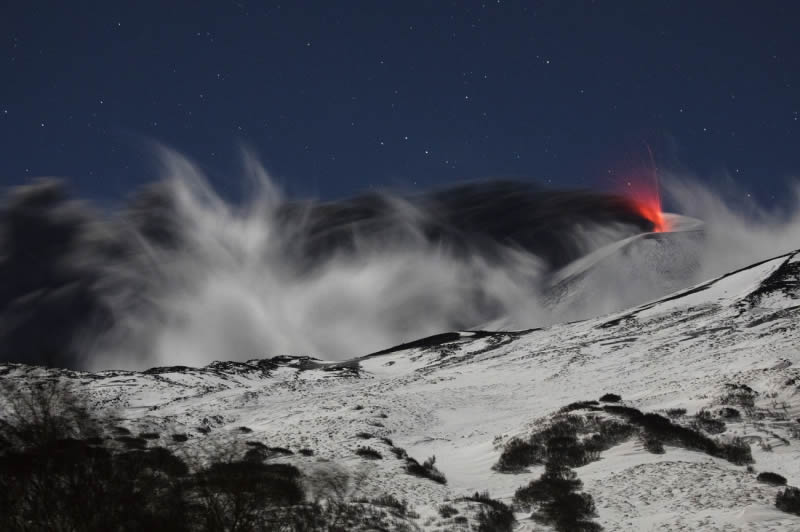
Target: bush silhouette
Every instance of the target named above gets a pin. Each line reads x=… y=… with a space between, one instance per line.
x=368 y=452
x=729 y=412
x=653 y=445
x=771 y=478
x=447 y=511
x=611 y=398
x=705 y=421
x=427 y=470
x=557 y=501
x=494 y=516
x=234 y=493
x=399 y=452
x=390 y=501
x=788 y=500
x=575 y=440
x=739 y=394
x=559 y=441
x=518 y=454
x=554 y=482
x=736 y=451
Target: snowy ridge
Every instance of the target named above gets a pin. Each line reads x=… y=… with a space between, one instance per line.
x=461 y=396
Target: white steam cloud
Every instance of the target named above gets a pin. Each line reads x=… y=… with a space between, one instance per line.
x=738 y=231
x=213 y=281
x=229 y=292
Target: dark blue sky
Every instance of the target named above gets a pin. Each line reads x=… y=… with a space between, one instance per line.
x=408 y=94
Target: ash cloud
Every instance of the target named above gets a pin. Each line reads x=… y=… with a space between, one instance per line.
x=180 y=277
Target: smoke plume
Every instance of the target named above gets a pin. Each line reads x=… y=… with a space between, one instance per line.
x=180 y=277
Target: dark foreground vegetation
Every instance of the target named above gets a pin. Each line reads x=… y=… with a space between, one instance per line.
x=494 y=516
x=580 y=438
x=427 y=469
x=735 y=451
x=788 y=500
x=581 y=431
x=558 y=500
x=771 y=478
x=60 y=470
x=66 y=470
x=575 y=440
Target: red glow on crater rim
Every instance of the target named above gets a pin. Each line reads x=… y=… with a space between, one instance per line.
x=646 y=196
x=652 y=211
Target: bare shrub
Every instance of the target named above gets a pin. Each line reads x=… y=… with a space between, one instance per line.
x=788 y=500
x=557 y=501
x=234 y=494
x=427 y=469
x=369 y=452
x=704 y=420
x=518 y=454
x=560 y=438
x=494 y=516
x=653 y=445
x=57 y=472
x=739 y=394
x=399 y=452
x=676 y=412
x=729 y=412
x=447 y=511
x=736 y=451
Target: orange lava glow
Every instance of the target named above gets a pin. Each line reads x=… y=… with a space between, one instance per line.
x=652 y=211
x=646 y=196
x=637 y=179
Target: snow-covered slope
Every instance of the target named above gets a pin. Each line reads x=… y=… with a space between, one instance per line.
x=461 y=396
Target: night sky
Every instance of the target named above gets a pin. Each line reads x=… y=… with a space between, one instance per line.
x=400 y=94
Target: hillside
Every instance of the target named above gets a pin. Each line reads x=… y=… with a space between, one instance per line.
x=728 y=347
